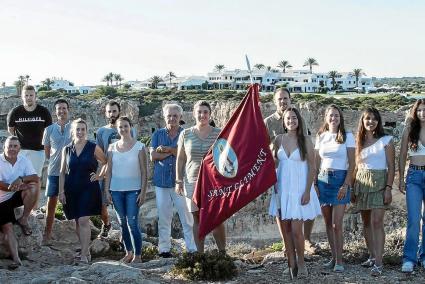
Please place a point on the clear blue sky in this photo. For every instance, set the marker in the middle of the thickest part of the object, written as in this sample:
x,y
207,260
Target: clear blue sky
x,y
82,40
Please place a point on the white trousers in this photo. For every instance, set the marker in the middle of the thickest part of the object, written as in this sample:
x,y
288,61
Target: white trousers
x,y
165,198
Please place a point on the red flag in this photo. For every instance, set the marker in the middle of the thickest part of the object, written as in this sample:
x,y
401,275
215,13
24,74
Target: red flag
x,y
238,167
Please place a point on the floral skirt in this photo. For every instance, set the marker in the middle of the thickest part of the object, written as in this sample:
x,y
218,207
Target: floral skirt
x,y
369,189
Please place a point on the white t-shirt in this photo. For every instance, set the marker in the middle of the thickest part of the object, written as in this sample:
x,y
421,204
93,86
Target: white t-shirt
x,y
9,173
334,155
126,173
374,157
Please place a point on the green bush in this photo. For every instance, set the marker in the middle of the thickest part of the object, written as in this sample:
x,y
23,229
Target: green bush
x,y
51,94
149,253
277,246
210,266
59,212
97,221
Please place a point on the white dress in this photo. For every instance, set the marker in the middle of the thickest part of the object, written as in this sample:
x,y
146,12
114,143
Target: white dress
x,y
291,183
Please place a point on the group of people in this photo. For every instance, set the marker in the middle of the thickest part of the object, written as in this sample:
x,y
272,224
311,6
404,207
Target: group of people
x,y
341,168
313,179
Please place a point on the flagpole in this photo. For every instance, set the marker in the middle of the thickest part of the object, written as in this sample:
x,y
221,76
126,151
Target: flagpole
x,y
249,69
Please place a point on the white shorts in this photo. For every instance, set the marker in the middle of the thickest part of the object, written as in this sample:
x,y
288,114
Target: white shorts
x,y
188,194
36,158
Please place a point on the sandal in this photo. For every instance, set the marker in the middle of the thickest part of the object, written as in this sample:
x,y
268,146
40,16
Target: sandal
x,y
368,263
26,229
376,270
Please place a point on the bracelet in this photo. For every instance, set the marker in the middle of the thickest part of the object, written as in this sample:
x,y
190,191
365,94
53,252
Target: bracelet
x,y
389,186
179,181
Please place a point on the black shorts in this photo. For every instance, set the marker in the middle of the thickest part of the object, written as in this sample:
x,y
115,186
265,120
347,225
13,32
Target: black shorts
x,y
7,213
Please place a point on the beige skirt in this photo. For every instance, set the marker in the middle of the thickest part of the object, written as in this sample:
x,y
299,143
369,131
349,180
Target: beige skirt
x,y
369,189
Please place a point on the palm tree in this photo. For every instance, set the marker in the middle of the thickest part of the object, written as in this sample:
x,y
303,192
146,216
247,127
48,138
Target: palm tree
x,y
118,79
109,78
219,67
333,75
47,83
259,66
269,69
311,62
27,78
284,64
155,80
19,84
357,73
170,75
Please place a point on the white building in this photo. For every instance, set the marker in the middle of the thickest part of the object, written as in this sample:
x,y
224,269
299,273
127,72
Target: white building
x,y
295,80
69,87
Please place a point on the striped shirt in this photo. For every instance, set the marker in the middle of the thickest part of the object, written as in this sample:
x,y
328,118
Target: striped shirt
x,y
195,149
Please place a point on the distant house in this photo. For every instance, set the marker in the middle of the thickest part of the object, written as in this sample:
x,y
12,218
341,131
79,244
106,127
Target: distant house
x,y
69,87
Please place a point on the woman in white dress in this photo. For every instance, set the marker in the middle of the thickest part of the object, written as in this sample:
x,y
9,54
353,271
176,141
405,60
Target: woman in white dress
x,y
296,201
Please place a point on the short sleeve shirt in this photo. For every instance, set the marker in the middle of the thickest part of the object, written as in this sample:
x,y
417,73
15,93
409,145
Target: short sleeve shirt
x,y
29,125
374,157
57,139
9,173
195,149
126,174
274,125
334,154
164,171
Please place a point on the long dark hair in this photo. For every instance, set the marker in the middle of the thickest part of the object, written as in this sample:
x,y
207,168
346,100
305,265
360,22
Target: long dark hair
x,y
415,125
300,131
361,131
341,135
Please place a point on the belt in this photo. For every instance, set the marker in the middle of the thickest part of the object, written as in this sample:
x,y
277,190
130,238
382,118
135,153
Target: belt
x,y
418,168
330,172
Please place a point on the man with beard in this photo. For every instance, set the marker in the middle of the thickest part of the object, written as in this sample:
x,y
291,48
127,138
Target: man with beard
x,y
274,125
27,122
105,136
55,138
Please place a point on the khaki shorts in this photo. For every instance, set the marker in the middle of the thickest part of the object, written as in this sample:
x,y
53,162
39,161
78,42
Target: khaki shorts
x,y
36,158
188,194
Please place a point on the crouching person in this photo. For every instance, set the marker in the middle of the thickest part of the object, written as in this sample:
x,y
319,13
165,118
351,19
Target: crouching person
x,y
18,186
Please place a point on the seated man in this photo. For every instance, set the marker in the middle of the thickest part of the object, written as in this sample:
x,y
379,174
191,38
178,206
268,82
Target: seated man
x,y
18,186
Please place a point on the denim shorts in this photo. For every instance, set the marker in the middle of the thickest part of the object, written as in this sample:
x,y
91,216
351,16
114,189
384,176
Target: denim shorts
x,y
52,186
329,182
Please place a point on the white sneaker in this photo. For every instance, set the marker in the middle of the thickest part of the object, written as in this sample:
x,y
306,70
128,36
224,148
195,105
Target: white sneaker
x,y
407,267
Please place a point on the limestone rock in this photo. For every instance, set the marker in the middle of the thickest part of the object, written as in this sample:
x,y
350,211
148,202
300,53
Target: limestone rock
x,y
111,272
99,247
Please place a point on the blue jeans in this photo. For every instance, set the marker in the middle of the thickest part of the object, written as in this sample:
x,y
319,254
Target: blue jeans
x,y
415,197
125,203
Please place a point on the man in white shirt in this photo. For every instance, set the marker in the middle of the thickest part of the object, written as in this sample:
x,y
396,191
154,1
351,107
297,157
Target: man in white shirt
x,y
18,186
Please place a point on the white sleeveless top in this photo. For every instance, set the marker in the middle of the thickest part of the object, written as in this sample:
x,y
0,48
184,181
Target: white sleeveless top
x,y
374,157
333,154
126,175
419,152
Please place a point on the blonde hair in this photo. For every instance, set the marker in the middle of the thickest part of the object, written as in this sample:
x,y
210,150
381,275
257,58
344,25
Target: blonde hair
x,y
74,125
